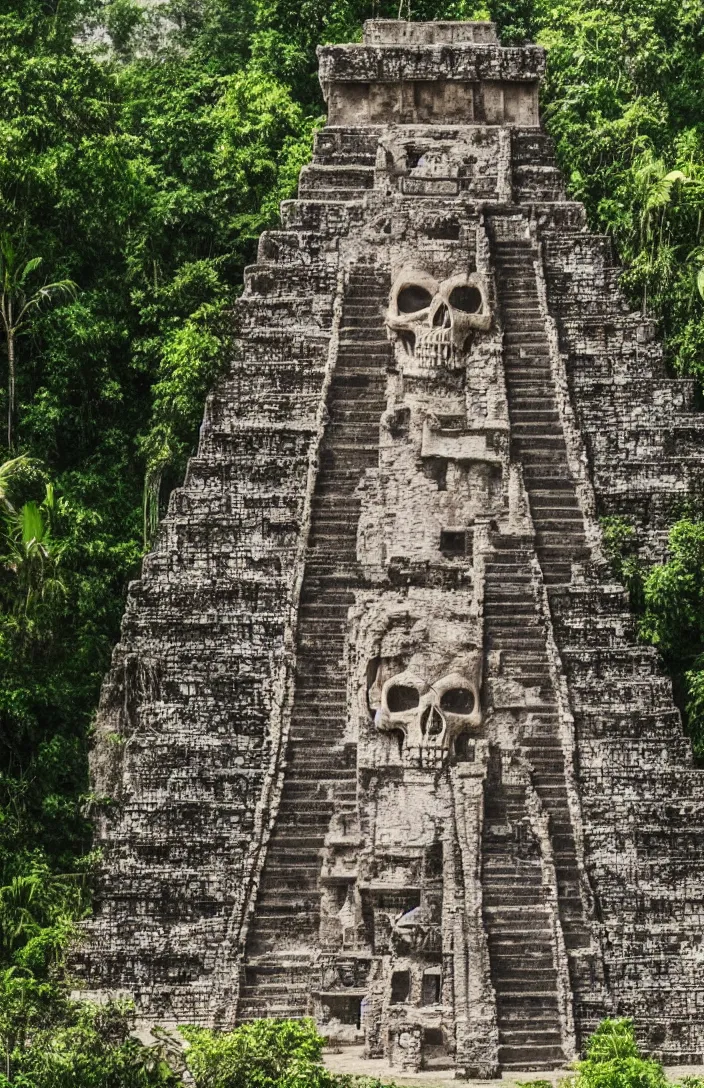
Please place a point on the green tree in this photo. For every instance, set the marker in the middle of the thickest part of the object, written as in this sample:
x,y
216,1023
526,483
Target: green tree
x,y
16,306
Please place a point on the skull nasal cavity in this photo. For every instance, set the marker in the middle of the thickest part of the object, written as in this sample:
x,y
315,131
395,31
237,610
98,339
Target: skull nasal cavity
x,y
457,701
413,298
401,697
432,722
442,317
466,298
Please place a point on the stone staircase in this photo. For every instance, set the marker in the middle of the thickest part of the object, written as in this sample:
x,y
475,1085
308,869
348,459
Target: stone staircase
x,y
516,915
537,440
520,938
513,624
320,771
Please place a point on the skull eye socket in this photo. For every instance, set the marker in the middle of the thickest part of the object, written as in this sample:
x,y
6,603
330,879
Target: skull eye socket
x,y
466,298
457,701
413,298
402,697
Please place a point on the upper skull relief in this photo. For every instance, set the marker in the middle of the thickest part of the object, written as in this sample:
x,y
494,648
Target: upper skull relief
x,y
434,321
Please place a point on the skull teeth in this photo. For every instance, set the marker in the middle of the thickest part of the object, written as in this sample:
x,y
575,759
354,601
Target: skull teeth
x,y
436,347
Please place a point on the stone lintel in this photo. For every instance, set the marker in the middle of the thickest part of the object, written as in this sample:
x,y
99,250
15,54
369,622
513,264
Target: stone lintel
x,y
463,62
404,32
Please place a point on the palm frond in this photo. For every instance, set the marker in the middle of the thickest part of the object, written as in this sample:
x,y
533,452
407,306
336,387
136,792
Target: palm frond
x,y
31,266
33,525
9,470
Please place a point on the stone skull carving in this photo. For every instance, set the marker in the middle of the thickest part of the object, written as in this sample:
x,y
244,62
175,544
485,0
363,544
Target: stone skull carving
x,y
430,703
434,321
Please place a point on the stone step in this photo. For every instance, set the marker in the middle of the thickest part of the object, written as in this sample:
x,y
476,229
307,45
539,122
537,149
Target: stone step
x,y
524,918
342,176
512,963
315,606
501,609
532,402
509,642
367,292
537,981
512,869
554,518
546,460
530,369
317,702
571,534
539,444
539,1005
519,896
368,417
548,478
260,1009
357,321
502,621
512,547
534,417
342,518
517,267
305,806
536,430
323,201
531,1059
526,1036
531,397
560,551
522,323
525,337
274,987
374,304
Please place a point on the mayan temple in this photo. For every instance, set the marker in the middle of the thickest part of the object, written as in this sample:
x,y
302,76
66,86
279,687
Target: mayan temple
x,y
379,744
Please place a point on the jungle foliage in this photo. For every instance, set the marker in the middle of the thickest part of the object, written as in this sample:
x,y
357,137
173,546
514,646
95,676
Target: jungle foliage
x,y
142,150
62,1043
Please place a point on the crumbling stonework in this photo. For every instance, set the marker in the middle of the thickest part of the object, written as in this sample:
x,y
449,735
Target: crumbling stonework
x,y
379,744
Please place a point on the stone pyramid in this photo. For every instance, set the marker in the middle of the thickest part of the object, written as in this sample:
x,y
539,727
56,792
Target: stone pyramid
x,y
379,743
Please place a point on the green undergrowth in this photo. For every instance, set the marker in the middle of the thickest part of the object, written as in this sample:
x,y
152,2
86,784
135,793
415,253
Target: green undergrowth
x,y
668,599
52,1042
613,1059
78,1045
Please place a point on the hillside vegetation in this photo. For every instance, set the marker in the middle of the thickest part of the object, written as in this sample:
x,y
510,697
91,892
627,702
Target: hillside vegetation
x,y
142,150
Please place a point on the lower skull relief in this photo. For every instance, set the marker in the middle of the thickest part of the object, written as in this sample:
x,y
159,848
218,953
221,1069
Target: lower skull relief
x,y
433,322
428,708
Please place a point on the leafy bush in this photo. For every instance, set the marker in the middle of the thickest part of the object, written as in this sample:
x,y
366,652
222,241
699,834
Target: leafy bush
x,y
263,1054
674,618
51,1042
620,543
613,1060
